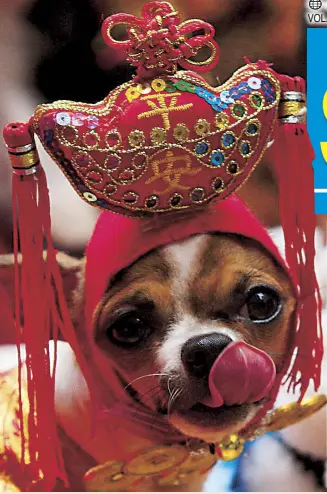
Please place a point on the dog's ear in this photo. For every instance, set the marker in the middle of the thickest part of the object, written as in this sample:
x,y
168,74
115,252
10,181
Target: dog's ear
x,y
72,270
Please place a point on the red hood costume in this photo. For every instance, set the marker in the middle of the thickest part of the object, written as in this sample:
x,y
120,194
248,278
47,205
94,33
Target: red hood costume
x,y
166,150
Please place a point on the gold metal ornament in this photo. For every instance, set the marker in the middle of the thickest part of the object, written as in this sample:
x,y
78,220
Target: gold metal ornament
x,y
175,466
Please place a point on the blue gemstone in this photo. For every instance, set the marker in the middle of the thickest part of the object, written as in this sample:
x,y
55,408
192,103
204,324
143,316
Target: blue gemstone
x,y
252,129
202,148
217,158
245,148
228,140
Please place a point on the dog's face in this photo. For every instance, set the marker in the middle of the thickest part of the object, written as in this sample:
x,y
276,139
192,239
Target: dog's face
x,y
176,309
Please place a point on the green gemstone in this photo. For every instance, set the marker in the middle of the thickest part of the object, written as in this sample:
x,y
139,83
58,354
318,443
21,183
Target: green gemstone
x,y
239,110
257,100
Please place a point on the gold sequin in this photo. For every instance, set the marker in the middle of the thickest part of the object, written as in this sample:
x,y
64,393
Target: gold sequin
x,y
90,197
144,88
202,127
136,138
181,132
158,85
221,121
158,135
132,93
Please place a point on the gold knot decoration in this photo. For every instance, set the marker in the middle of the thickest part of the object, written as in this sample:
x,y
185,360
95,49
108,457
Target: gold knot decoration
x,y
158,42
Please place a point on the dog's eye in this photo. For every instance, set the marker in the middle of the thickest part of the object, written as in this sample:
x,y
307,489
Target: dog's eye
x,y
263,304
128,330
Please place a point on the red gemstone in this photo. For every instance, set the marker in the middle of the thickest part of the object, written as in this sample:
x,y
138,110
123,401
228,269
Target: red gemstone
x,y
126,175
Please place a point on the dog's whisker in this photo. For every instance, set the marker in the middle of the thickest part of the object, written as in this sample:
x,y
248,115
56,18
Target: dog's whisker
x,y
171,401
154,390
169,390
159,374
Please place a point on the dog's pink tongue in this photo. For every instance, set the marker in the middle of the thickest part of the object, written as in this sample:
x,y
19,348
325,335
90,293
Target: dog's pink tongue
x,y
241,374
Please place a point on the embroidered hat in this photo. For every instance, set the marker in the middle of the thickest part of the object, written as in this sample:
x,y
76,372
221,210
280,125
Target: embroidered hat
x,y
167,150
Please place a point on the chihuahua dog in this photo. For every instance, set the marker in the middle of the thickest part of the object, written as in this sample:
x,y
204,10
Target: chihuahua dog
x,y
163,321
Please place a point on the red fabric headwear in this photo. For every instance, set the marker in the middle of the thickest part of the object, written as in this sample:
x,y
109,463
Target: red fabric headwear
x,y
160,145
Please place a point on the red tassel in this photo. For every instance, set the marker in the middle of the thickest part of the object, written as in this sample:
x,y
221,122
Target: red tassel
x,y
293,165
40,303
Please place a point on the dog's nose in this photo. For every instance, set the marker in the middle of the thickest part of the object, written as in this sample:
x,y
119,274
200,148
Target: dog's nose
x,y
200,352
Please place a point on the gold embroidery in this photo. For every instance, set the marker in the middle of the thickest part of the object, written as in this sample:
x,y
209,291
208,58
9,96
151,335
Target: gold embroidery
x,y
130,197
115,136
91,140
107,106
162,108
172,175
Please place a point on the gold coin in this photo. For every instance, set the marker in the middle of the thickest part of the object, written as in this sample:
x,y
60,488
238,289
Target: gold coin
x,y
156,460
108,477
174,479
